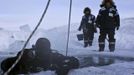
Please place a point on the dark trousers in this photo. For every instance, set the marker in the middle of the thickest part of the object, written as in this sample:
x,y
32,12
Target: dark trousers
x,y
111,39
88,36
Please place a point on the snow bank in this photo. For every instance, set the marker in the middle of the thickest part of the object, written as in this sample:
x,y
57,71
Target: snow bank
x,y
57,36
12,41
125,37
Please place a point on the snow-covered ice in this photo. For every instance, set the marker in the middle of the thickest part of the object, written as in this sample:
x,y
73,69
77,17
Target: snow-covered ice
x,y
13,41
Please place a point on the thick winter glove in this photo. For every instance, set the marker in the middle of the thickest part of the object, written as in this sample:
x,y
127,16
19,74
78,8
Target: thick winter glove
x,y
97,25
117,28
79,29
95,31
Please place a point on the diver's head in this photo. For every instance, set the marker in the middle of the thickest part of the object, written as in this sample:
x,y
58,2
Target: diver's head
x,y
43,44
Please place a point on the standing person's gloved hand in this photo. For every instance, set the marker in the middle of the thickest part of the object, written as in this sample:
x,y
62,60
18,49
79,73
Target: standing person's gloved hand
x,y
117,28
79,29
95,29
97,25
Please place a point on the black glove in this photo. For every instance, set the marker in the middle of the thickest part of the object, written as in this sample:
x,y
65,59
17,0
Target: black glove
x,y
117,28
97,25
79,29
95,30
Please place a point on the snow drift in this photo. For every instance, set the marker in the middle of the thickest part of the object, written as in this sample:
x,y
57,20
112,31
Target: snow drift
x,y
13,41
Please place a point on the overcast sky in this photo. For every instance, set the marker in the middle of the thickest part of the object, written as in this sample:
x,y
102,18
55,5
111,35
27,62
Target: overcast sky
x,y
14,13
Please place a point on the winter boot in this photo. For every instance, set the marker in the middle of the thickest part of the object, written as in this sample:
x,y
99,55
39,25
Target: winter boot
x,y
85,44
101,46
90,43
112,46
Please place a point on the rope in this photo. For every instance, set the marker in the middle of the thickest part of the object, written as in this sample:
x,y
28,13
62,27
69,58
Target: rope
x,y
40,21
69,23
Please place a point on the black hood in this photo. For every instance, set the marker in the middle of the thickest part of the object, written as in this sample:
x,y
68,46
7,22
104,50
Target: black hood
x,y
87,9
103,5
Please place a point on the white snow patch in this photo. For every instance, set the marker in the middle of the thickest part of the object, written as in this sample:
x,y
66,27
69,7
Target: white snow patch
x,y
12,41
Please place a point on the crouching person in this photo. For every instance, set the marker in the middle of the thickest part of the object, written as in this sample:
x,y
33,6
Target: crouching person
x,y
40,57
88,26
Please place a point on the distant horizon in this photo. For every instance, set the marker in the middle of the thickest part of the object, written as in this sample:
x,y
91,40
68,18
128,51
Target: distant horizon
x,y
16,13
17,28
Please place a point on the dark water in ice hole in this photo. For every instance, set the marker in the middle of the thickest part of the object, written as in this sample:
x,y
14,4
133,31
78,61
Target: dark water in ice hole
x,y
94,60
100,60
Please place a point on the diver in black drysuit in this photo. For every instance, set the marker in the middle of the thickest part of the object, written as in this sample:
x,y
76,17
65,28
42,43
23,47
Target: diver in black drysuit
x,y
40,57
